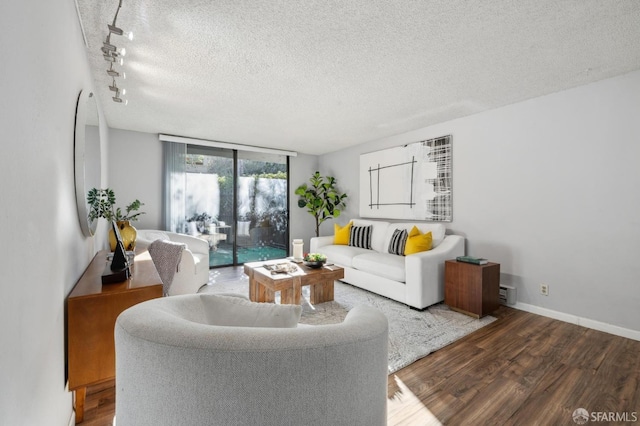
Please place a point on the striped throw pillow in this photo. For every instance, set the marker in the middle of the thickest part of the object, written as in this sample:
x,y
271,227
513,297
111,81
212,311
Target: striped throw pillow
x,y
398,241
360,236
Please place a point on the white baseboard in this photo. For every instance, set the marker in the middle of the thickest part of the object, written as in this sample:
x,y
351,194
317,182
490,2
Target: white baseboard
x,y
574,319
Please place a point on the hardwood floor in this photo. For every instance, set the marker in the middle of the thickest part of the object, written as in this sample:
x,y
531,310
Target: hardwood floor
x,y
523,369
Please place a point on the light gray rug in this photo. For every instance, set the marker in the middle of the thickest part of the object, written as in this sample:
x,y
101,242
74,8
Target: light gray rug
x,y
412,334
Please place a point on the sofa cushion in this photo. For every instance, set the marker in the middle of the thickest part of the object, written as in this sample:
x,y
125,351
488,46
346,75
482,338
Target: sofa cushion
x,y
341,233
237,312
360,236
398,241
382,264
155,235
437,231
341,255
418,242
146,237
378,233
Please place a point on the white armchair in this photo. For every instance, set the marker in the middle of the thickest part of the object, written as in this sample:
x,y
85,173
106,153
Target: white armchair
x,y
193,269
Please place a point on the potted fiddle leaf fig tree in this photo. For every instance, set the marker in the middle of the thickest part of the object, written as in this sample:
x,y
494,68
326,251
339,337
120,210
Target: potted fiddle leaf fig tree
x,y
321,199
101,204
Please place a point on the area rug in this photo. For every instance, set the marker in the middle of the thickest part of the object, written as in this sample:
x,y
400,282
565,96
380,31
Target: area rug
x,y
412,334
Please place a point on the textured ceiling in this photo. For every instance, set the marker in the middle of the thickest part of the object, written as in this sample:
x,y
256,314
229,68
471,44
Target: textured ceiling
x,y
317,76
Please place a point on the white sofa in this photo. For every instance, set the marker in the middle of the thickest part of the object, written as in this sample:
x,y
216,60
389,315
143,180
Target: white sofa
x,y
416,280
193,269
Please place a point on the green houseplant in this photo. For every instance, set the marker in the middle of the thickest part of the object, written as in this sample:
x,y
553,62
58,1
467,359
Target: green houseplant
x,y
101,204
321,199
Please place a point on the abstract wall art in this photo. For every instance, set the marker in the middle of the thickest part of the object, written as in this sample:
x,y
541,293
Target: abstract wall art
x,y
408,182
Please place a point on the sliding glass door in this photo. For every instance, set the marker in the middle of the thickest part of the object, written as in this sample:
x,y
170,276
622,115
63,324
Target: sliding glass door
x,y
237,201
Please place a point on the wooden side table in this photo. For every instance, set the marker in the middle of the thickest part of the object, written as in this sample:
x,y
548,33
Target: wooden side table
x,y
92,309
472,289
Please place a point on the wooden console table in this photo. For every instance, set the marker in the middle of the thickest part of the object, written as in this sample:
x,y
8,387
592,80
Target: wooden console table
x,y
92,309
472,289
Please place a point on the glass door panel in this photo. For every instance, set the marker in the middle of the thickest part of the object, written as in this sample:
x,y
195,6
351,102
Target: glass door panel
x,y
262,207
209,200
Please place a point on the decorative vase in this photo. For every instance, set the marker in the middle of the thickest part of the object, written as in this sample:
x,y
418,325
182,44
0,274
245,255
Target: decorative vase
x,y
128,234
298,245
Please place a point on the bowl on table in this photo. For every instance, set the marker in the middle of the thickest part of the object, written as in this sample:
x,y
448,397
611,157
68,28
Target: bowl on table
x,y
315,260
314,264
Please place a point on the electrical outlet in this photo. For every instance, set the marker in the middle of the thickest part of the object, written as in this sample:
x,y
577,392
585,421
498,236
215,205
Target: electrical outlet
x,y
544,289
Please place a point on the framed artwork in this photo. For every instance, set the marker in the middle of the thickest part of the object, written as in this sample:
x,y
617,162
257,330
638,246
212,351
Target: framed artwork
x,y
408,182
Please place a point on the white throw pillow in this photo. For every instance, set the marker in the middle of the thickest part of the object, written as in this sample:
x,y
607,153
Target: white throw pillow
x,y
237,312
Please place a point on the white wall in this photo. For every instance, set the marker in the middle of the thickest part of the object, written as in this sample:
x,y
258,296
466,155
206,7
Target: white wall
x,y
43,252
549,188
302,224
135,171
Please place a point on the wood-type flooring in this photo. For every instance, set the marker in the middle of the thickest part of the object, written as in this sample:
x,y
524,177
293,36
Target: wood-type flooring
x,y
523,369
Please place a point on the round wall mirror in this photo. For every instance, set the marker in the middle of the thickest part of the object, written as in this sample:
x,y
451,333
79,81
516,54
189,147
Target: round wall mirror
x,y
88,157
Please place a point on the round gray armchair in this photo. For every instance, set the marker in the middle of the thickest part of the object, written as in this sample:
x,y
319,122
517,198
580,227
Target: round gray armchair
x,y
206,359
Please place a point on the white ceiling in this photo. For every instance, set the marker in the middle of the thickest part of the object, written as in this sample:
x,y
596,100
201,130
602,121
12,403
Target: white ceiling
x,y
317,76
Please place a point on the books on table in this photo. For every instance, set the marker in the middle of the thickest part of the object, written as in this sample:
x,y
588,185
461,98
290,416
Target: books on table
x,y
471,259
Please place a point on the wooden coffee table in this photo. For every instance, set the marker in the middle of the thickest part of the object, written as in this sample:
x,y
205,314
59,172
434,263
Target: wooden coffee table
x,y
263,284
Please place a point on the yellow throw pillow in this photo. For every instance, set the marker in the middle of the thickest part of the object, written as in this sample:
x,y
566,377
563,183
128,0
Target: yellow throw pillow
x,y
414,231
418,242
341,234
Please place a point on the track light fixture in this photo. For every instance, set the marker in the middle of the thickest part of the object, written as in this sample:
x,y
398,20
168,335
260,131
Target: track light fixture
x,y
118,31
107,46
112,72
113,55
114,88
119,100
117,93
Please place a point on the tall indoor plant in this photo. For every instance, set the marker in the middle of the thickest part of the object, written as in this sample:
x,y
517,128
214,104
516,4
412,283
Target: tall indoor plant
x,y
101,204
321,199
